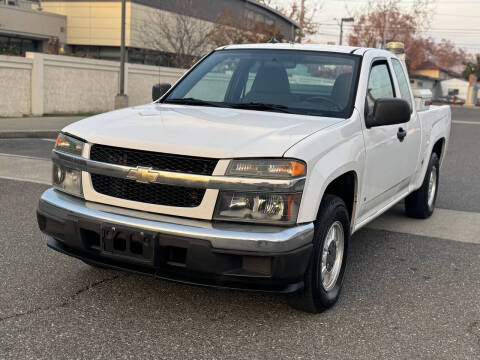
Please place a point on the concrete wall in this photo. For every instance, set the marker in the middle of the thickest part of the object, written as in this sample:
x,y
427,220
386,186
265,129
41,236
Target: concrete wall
x,y
54,84
15,75
141,78
78,85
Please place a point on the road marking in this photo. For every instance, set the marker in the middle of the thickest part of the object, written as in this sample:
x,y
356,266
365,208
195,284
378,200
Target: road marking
x,y
461,226
25,168
23,156
28,139
466,122
26,180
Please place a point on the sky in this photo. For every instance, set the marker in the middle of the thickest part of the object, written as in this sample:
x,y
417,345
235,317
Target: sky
x,y
455,20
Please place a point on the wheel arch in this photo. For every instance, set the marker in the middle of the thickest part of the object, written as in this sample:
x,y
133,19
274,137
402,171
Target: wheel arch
x,y
439,149
345,186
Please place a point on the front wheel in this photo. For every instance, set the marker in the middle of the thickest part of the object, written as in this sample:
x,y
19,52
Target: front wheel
x,y
421,203
324,276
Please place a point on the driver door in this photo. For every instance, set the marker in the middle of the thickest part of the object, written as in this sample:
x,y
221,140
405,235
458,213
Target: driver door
x,y
386,174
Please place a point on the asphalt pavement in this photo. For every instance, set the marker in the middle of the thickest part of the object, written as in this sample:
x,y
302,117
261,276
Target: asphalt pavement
x,y
411,291
35,127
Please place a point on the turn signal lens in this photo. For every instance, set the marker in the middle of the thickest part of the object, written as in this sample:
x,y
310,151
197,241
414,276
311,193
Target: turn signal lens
x,y
69,144
267,168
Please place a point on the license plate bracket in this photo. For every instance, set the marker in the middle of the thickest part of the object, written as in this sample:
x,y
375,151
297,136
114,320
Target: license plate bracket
x,y
133,245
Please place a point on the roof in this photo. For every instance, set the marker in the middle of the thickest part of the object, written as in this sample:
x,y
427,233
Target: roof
x,y
310,47
276,12
429,65
296,46
422,77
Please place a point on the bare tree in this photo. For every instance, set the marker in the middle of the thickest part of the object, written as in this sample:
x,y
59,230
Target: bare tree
x,y
301,11
183,38
230,29
384,20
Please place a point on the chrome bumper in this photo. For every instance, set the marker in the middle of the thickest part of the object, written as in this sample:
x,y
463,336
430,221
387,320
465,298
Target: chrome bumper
x,y
222,236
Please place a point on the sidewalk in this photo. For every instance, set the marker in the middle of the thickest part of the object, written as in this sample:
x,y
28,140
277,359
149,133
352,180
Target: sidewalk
x,y
34,127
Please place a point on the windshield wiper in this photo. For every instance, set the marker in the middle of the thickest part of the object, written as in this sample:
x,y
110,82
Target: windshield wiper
x,y
261,107
191,101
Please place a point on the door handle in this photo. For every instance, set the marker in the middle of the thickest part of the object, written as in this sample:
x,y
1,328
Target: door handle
x,y
401,134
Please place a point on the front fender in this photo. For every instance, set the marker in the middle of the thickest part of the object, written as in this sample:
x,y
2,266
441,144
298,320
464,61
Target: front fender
x,y
329,154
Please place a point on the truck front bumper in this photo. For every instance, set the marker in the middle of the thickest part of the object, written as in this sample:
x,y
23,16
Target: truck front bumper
x,y
241,256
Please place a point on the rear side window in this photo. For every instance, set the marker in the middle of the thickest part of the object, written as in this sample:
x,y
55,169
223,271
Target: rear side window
x,y
402,82
379,84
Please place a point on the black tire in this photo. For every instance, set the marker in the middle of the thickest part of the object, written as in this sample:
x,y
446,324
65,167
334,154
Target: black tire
x,y
313,298
416,204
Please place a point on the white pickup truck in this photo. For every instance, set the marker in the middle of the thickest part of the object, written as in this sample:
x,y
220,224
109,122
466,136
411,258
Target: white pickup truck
x,y
251,172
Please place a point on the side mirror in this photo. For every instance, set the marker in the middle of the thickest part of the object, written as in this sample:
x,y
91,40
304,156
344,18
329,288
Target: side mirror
x,y
389,112
158,90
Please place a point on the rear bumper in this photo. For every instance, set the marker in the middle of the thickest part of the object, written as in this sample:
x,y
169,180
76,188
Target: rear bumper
x,y
241,256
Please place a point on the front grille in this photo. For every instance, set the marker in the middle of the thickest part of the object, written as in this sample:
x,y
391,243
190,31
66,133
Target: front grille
x,y
157,161
156,194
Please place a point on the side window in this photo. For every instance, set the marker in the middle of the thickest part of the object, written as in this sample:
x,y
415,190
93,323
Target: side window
x,y
379,84
402,82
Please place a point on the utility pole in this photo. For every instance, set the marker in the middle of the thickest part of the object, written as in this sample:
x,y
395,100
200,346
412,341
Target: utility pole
x,y
121,100
350,19
386,24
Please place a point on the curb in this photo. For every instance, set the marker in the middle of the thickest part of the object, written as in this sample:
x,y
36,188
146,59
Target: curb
x,y
15,134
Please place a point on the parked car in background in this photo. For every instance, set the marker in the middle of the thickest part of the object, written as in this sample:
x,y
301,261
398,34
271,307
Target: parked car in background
x,y
450,99
251,172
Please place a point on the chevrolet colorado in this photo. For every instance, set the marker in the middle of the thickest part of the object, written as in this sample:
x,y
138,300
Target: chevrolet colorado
x,y
251,172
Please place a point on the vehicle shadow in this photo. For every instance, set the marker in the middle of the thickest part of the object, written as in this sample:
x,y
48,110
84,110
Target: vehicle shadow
x,y
385,270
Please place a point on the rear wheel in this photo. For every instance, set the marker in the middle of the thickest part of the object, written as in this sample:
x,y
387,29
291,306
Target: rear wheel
x,y
421,203
324,276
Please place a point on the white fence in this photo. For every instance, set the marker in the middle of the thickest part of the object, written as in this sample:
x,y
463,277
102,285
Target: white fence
x,y
52,84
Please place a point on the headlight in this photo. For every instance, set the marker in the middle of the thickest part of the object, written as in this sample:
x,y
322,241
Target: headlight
x,y
271,208
64,178
67,180
267,168
68,144
256,207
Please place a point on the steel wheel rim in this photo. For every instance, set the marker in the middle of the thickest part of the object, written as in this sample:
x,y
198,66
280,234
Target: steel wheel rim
x,y
432,186
332,255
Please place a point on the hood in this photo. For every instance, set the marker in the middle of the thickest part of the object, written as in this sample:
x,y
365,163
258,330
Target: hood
x,y
199,131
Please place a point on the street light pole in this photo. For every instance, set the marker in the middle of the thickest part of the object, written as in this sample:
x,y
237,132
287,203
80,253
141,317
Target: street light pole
x,y
350,19
122,52
121,100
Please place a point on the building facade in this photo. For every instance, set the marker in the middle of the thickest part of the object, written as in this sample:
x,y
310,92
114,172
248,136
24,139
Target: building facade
x,y
93,26
25,28
430,76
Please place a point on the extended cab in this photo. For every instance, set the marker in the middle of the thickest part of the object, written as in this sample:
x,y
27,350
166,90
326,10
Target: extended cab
x,y
251,172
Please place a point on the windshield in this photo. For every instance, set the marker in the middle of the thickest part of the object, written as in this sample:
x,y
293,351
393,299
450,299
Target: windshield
x,y
300,82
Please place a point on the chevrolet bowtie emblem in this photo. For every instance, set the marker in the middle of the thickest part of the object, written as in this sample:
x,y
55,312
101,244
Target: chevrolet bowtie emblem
x,y
142,175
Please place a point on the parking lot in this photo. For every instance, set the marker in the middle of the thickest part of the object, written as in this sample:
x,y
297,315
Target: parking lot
x,y
412,287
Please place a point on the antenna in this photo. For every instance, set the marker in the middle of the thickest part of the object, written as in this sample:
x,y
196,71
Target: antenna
x,y
273,40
